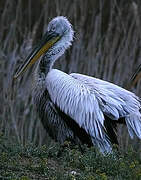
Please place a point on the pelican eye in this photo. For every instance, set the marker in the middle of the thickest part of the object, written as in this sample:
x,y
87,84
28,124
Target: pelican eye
x,y
53,28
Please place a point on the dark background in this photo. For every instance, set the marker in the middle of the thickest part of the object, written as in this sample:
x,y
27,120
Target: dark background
x,y
107,45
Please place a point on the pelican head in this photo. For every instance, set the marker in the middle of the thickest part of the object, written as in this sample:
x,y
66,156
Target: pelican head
x,y
55,41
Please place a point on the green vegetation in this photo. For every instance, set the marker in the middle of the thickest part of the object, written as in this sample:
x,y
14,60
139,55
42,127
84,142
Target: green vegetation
x,y
31,162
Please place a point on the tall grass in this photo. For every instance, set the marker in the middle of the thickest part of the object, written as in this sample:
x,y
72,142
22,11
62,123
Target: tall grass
x,y
106,45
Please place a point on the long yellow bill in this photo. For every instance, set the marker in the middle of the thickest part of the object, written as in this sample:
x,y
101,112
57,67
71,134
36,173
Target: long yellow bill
x,y
136,76
48,40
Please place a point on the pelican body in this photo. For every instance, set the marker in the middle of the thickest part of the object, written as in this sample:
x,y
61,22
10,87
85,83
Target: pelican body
x,y
76,107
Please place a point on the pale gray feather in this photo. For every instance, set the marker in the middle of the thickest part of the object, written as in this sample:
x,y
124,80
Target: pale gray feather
x,y
78,107
86,100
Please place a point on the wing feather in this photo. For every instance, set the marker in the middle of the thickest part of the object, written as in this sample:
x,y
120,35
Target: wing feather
x,y
116,102
86,100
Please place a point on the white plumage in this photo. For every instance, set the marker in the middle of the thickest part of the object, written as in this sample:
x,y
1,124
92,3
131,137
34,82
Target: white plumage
x,y
86,99
77,107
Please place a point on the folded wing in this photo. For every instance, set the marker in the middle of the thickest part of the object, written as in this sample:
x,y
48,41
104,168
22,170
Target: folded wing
x,y
86,100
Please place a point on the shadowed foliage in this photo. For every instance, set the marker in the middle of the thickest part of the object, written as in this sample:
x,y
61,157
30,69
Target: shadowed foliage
x,y
39,163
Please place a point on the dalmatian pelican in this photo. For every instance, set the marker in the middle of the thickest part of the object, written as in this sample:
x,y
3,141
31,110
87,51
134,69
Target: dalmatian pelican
x,y
77,107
